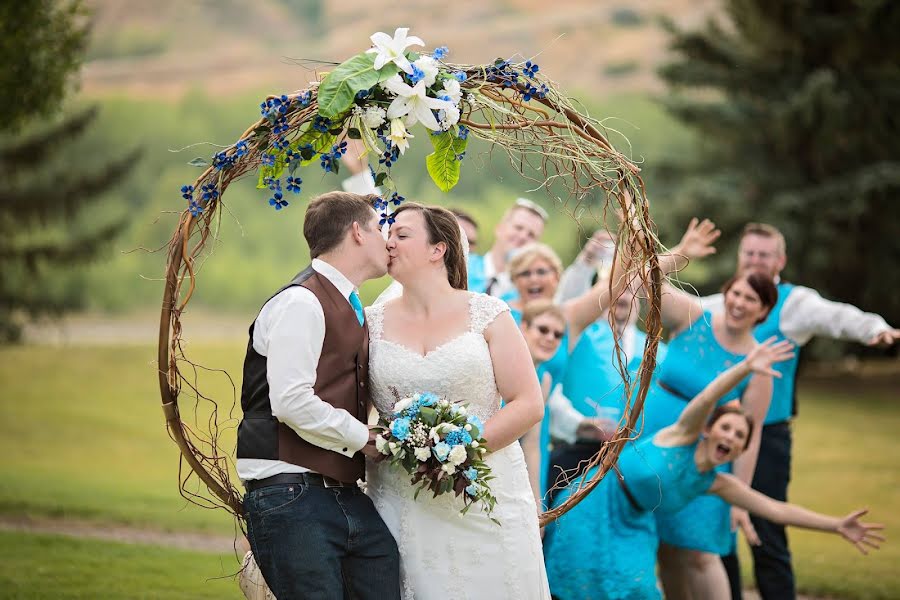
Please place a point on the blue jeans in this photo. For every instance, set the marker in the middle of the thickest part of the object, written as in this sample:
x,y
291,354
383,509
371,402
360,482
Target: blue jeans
x,y
772,560
321,543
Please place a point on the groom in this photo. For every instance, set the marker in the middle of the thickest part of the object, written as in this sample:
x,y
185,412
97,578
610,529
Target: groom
x,y
303,437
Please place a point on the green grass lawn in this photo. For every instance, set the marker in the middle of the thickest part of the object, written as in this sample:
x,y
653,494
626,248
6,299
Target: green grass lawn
x,y
82,435
46,566
845,457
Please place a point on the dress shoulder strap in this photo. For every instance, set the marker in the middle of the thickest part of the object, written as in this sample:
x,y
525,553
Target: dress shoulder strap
x,y
375,320
483,309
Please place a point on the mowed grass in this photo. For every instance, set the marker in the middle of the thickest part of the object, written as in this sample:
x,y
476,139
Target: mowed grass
x,y
846,452
82,435
47,566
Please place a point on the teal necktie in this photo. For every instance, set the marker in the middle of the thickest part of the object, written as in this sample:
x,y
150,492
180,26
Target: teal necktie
x,y
357,307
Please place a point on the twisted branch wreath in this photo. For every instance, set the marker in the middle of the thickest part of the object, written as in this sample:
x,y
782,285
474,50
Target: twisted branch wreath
x,y
510,105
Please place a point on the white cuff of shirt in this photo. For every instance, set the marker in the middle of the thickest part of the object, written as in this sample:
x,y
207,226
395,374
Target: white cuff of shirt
x,y
357,437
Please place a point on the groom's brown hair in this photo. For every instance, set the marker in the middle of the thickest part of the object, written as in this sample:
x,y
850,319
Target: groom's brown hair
x,y
330,216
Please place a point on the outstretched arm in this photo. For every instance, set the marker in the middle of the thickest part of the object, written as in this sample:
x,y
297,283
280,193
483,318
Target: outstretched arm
x,y
738,493
693,418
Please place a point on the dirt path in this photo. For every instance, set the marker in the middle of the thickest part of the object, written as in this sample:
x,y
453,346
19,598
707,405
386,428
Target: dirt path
x,y
183,540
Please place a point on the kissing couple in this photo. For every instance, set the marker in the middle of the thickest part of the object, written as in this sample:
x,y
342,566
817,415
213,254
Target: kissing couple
x,y
317,362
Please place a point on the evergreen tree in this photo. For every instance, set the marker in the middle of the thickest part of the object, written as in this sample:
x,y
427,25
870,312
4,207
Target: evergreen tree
x,y
795,107
47,223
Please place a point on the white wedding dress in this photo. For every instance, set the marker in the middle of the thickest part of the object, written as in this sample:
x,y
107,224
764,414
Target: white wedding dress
x,y
445,555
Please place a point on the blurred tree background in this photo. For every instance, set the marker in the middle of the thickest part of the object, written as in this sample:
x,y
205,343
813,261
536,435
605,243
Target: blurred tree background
x,y
760,112
47,225
794,107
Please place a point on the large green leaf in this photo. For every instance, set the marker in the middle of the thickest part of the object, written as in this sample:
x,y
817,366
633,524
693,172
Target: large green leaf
x,y
339,88
443,164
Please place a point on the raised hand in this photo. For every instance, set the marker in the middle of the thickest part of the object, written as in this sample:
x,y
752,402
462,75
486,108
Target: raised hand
x,y
597,245
698,239
763,356
885,339
860,534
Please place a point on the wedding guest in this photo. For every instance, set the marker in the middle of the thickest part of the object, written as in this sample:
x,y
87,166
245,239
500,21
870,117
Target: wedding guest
x,y
522,224
799,315
615,556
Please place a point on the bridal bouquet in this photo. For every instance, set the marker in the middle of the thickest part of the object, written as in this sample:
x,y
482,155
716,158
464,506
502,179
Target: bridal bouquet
x,y
440,446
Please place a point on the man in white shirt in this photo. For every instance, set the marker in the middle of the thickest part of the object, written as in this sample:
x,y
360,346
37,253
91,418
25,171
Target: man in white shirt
x,y
522,224
799,315
303,435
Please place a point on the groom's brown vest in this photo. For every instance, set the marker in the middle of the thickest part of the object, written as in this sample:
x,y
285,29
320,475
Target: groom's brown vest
x,y
341,380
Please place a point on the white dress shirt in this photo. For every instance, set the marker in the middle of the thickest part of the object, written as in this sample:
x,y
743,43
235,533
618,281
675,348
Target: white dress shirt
x,y
289,332
502,282
806,314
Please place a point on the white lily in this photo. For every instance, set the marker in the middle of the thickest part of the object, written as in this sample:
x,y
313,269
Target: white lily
x,y
399,136
414,102
390,49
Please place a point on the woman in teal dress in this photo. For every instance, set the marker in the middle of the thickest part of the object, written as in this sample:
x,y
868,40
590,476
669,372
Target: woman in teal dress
x,y
615,558
703,346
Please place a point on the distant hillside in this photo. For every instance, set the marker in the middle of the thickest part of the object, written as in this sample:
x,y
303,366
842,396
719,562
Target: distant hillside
x,y
164,48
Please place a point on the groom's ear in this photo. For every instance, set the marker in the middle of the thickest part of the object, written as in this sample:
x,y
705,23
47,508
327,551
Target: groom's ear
x,y
356,231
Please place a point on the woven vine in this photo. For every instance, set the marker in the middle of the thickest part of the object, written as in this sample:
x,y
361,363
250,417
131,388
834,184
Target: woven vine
x,y
510,105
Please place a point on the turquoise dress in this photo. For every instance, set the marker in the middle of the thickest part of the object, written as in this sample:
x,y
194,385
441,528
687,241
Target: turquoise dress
x,y
694,358
592,380
615,557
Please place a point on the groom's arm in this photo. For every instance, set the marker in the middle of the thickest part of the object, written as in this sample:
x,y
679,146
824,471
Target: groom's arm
x,y
293,345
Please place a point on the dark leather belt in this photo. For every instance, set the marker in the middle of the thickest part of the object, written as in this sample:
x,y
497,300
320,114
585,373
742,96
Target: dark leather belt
x,y
631,499
672,391
300,478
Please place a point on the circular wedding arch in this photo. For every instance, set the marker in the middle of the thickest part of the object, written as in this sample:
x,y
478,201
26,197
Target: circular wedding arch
x,y
510,105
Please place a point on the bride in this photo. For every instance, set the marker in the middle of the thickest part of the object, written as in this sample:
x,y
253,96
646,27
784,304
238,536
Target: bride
x,y
465,347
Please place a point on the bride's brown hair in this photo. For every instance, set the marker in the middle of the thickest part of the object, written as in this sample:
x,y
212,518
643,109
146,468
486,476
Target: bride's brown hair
x,y
443,227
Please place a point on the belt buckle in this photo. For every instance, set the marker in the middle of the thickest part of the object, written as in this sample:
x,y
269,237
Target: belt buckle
x,y
330,482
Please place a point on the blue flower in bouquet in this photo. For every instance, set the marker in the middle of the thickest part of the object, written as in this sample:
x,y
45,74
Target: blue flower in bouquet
x,y
459,436
428,399
440,52
472,489
474,421
471,473
400,428
441,451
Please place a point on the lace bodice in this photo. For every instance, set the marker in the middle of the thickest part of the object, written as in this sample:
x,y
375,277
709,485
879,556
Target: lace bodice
x,y
459,370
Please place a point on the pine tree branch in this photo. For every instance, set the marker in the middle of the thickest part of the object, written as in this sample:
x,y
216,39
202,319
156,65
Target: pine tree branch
x,y
51,199
74,250
35,148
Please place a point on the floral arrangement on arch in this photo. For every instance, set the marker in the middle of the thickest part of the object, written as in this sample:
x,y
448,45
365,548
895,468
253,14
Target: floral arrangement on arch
x,y
386,95
379,97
